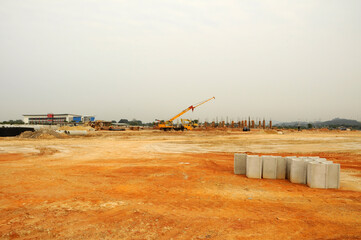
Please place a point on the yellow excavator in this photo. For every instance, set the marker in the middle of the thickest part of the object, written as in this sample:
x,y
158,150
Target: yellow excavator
x,y
168,125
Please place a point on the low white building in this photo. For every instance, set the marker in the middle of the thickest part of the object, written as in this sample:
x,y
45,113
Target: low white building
x,y
51,118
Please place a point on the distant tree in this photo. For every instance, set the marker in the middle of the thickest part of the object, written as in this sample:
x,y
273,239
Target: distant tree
x,y
309,126
13,122
113,121
135,122
123,121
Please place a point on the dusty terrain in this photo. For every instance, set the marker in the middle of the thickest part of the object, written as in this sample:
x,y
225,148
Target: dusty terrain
x,y
156,185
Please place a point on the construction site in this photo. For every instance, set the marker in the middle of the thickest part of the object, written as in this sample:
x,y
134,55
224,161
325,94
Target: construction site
x,y
192,180
180,120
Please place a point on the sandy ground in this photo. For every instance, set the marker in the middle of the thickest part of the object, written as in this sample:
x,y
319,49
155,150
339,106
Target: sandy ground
x,y
156,185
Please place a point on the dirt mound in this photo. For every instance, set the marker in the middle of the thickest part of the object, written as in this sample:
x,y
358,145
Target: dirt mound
x,y
88,128
42,134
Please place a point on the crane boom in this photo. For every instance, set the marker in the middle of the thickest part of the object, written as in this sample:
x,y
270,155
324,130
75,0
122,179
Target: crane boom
x,y
189,108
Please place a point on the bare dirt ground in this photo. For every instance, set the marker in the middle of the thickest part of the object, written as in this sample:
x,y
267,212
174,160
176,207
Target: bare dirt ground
x,y
156,185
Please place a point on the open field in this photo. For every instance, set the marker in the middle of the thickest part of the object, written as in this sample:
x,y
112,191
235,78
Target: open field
x,y
173,185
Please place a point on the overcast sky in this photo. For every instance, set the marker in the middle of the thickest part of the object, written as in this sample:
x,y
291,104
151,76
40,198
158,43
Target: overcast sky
x,y
279,60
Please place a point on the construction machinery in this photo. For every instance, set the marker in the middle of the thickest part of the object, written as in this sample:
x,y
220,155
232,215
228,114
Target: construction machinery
x,y
168,125
189,124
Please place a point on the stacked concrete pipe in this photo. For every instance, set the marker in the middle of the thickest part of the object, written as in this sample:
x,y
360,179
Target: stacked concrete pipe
x,y
240,163
254,166
316,172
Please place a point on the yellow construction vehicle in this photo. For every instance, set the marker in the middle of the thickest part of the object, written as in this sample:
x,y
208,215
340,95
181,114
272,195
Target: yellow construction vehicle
x,y
168,125
189,124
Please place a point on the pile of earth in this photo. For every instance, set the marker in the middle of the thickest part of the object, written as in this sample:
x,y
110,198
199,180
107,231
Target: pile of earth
x,y
87,128
43,134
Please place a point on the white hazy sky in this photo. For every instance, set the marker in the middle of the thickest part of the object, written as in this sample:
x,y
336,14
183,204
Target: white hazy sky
x,y
280,60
